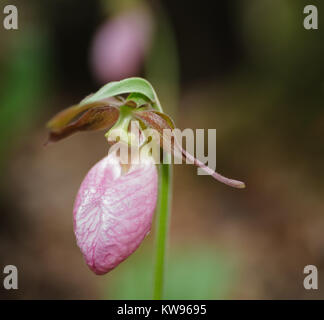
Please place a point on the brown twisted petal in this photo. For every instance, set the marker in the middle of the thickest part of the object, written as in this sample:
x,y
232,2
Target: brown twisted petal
x,y
160,121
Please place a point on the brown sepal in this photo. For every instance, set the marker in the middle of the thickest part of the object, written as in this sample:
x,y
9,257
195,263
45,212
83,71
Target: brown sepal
x,y
96,118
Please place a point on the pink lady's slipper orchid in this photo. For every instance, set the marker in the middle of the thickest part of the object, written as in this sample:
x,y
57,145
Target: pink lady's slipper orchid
x,y
114,207
121,44
113,211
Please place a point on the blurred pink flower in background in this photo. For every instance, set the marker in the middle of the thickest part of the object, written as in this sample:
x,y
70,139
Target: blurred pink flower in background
x,y
120,45
113,211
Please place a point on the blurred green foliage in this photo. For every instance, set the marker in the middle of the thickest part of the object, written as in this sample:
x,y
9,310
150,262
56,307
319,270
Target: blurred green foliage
x,y
194,272
25,81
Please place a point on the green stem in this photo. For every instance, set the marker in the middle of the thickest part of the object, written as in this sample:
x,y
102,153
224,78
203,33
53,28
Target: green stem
x,y
163,54
162,226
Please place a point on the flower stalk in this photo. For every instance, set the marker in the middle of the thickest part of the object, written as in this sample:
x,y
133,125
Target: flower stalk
x,y
162,227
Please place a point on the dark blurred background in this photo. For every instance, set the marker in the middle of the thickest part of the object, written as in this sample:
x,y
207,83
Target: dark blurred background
x,y
247,68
